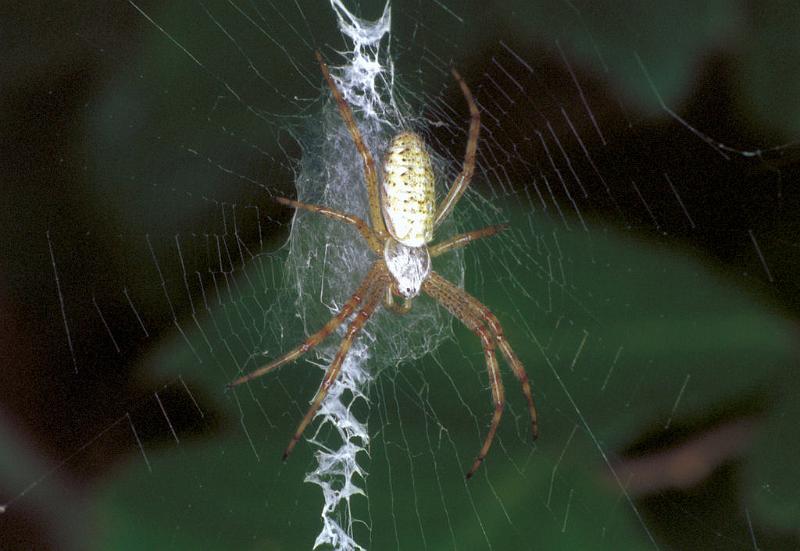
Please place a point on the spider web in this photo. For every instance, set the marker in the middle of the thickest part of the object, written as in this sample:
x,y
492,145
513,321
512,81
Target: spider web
x,y
635,301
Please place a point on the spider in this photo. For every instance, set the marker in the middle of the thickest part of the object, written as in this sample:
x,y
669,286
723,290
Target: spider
x,y
403,215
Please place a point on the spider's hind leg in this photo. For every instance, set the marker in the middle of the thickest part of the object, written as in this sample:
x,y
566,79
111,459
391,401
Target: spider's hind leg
x,y
370,174
465,176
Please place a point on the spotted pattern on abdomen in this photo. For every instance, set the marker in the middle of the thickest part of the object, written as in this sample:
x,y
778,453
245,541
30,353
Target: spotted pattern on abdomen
x,y
409,196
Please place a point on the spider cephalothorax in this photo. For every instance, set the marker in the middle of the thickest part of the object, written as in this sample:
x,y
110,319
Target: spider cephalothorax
x,y
403,216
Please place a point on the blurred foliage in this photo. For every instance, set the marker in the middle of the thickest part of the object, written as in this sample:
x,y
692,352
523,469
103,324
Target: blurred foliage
x,y
672,317
174,101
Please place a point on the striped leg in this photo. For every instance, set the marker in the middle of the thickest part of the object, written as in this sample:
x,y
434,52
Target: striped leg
x,y
498,396
370,175
483,313
367,285
372,239
463,179
445,295
464,239
373,301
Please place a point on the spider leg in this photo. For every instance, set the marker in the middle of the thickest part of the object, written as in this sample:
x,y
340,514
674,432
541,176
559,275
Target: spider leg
x,y
463,239
461,309
463,179
483,313
498,396
522,377
312,341
372,240
370,175
332,373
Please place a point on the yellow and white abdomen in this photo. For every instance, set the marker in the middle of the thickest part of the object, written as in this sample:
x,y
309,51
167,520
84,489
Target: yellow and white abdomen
x,y
408,197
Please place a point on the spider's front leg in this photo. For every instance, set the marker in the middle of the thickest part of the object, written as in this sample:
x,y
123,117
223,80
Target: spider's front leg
x,y
485,315
366,288
372,302
480,321
498,395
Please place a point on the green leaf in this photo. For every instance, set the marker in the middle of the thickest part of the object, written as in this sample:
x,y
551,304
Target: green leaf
x,y
621,339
